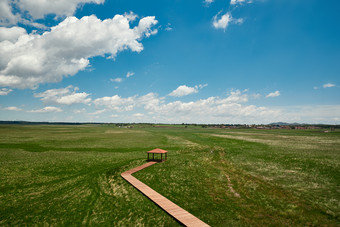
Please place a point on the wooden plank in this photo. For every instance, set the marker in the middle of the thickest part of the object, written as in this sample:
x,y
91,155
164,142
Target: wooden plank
x,y
171,208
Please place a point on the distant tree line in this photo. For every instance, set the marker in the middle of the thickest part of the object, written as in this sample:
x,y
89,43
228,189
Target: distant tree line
x,y
279,125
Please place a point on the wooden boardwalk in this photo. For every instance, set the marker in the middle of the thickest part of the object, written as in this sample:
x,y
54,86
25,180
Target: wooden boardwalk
x,y
177,212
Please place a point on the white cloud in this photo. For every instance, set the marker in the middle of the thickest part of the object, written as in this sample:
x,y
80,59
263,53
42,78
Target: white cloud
x,y
168,27
129,74
97,112
215,109
38,9
273,94
328,85
34,59
6,15
12,108
237,97
74,98
234,2
5,91
65,96
238,2
116,103
223,21
313,114
11,34
208,2
150,101
27,11
238,21
117,80
200,86
138,115
210,110
47,109
232,108
183,90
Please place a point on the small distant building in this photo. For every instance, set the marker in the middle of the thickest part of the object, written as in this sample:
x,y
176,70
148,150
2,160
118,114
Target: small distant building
x,y
158,151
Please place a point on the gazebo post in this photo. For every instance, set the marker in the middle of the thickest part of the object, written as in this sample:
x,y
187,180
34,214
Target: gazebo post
x,y
153,156
161,157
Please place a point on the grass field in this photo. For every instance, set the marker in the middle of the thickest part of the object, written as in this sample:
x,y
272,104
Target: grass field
x,y
70,175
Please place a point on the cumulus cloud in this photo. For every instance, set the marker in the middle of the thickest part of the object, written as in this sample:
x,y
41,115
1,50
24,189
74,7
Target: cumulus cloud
x,y
313,114
222,22
237,97
117,80
183,90
47,109
11,34
328,85
12,108
116,103
210,110
65,96
273,94
129,74
38,9
6,15
28,11
65,49
5,91
150,101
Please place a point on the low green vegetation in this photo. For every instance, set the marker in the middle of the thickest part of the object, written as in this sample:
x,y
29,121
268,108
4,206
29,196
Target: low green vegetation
x,y
70,175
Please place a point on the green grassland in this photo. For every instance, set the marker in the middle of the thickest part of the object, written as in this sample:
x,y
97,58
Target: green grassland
x,y
70,175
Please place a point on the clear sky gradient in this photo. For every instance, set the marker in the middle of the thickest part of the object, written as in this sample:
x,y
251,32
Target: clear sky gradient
x,y
170,61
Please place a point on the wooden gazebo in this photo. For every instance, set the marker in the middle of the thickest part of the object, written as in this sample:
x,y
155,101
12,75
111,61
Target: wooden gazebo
x,y
157,151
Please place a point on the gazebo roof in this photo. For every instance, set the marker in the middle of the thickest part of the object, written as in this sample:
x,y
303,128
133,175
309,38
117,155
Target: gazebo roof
x,y
158,151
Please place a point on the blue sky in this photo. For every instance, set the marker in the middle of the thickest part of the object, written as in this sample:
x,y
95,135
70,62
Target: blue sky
x,y
213,61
